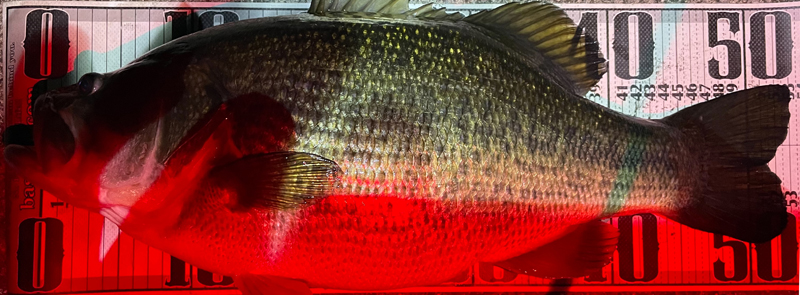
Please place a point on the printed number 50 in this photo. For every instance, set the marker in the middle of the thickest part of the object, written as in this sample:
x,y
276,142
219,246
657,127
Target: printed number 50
x,y
758,45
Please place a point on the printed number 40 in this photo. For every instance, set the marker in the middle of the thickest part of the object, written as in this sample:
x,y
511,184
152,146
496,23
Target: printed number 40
x,y
758,44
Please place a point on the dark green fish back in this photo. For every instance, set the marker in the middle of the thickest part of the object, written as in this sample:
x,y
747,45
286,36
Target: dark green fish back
x,y
398,104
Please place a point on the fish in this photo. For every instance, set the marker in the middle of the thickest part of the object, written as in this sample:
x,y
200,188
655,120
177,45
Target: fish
x,y
365,145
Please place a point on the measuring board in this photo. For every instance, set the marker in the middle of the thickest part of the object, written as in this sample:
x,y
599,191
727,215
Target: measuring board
x,y
662,58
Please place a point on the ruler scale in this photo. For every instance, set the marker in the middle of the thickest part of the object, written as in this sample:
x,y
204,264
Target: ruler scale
x,y
662,58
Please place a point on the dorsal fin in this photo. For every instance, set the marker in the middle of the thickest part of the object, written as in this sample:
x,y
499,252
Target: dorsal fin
x,y
379,9
427,11
553,34
544,26
319,7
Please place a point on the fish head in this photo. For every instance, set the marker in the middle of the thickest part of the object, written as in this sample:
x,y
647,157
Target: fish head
x,y
62,138
80,129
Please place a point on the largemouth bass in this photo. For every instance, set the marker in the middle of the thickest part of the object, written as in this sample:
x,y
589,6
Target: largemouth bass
x,y
367,146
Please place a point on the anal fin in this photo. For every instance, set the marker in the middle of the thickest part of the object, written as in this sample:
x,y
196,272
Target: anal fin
x,y
586,248
250,284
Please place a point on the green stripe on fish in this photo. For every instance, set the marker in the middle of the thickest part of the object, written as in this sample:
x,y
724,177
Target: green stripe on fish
x,y
628,171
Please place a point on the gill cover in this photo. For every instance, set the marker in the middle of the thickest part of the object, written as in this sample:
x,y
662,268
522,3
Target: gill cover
x,y
78,129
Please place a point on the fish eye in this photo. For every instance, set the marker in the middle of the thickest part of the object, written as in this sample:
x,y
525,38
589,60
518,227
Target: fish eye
x,y
90,82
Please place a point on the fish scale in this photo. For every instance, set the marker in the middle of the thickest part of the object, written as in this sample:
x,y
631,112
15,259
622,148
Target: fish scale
x,y
518,180
385,147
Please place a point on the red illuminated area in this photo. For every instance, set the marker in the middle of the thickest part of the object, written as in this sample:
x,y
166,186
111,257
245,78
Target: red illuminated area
x,y
57,248
636,268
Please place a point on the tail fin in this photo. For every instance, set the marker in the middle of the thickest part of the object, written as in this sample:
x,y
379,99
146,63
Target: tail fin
x,y
737,135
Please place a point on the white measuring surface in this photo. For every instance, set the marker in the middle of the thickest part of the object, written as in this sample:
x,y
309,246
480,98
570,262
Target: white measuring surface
x,y
662,58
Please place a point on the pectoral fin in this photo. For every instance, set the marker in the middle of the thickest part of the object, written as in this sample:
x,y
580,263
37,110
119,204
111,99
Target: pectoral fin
x,y
588,247
277,180
250,284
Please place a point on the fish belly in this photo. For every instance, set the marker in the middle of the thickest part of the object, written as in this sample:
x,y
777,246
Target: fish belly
x,y
386,242
366,242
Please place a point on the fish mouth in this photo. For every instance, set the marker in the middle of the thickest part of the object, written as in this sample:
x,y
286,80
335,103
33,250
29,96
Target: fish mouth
x,y
53,139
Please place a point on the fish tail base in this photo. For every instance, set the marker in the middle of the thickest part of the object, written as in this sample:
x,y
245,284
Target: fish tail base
x,y
736,136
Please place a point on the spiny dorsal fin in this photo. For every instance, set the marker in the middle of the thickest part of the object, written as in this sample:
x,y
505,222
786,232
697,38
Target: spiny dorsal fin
x,y
553,34
319,7
379,8
427,11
